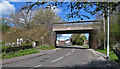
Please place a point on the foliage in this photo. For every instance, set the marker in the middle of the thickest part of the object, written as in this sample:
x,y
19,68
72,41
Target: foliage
x,y
29,25
21,19
25,46
74,38
73,6
114,30
24,19
45,16
5,26
46,47
16,48
19,53
116,50
86,46
112,54
28,35
78,39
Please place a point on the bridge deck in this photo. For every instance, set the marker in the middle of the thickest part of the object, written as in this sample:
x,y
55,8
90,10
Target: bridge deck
x,y
75,26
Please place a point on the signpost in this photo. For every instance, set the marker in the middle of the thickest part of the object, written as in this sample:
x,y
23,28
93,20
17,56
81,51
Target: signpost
x,y
104,31
17,42
34,44
42,41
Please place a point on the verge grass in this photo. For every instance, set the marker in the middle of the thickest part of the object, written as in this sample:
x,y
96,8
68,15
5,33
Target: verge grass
x,y
113,56
18,53
46,47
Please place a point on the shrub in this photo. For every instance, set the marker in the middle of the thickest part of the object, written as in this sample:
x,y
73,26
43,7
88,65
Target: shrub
x,y
25,46
18,53
6,48
17,48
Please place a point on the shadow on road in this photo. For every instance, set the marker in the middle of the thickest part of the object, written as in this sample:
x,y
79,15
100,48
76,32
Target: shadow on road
x,y
75,47
101,64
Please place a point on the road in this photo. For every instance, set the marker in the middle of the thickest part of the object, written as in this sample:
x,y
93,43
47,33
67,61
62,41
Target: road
x,y
65,57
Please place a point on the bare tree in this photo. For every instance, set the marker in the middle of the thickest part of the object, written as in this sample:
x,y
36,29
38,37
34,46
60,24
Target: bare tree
x,y
44,16
26,18
14,19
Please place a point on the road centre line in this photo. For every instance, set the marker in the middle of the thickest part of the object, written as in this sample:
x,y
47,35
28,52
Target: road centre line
x,y
57,59
73,50
38,66
68,54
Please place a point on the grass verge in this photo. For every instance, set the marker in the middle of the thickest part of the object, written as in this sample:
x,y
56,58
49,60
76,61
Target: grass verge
x,y
82,46
18,53
86,46
113,56
46,47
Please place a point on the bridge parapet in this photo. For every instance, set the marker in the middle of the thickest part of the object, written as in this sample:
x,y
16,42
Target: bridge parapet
x,y
87,25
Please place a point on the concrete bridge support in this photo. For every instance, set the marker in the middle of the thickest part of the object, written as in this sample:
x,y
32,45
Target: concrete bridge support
x,y
93,40
93,44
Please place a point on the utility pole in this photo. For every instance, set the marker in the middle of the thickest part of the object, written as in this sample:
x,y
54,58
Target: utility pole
x,y
108,36
104,31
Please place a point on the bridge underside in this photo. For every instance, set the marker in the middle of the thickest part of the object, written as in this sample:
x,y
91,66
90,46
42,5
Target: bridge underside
x,y
77,27
92,42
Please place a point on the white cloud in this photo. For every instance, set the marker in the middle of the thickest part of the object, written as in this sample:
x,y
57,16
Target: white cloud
x,y
55,9
16,0
60,39
66,35
6,8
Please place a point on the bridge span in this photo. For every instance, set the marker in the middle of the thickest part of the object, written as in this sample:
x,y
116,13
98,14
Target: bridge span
x,y
77,27
80,25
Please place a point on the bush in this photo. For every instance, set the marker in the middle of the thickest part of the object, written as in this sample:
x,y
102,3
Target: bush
x,y
116,50
25,46
80,41
17,48
6,48
18,53
46,47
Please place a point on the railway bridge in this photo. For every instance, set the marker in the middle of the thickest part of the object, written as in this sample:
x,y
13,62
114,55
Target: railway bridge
x,y
76,27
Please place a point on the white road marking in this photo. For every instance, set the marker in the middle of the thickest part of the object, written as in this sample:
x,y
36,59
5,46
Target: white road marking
x,y
73,50
57,59
38,66
68,54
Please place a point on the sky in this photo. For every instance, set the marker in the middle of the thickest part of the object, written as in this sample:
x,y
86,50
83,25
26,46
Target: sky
x,y
10,6
67,36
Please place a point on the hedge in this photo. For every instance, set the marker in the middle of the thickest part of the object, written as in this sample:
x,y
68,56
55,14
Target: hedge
x,y
16,48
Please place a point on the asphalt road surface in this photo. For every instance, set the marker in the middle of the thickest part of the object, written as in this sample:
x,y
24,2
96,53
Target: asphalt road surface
x,y
66,57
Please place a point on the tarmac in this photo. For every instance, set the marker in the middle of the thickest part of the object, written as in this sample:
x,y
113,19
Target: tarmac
x,y
97,56
16,59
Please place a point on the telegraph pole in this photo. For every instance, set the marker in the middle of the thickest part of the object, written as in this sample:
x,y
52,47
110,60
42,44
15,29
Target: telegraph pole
x,y
104,31
108,36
